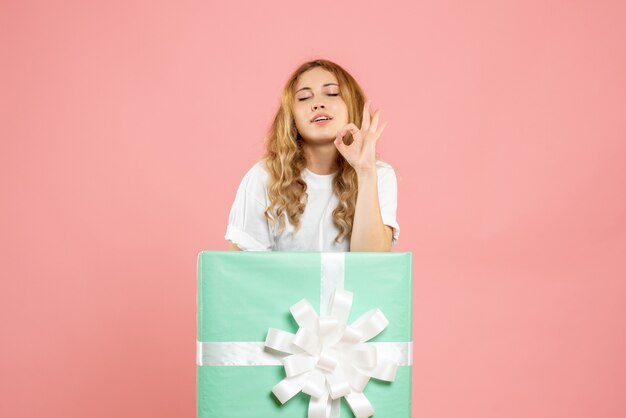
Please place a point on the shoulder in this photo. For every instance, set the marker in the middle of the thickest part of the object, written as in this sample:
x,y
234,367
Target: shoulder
x,y
256,174
254,181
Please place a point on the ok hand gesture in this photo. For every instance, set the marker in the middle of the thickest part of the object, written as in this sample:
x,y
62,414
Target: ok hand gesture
x,y
361,154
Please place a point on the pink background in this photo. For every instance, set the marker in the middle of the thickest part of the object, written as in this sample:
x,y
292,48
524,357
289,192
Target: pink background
x,y
127,126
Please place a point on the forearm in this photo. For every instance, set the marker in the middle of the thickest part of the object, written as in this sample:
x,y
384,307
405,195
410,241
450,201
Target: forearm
x,y
368,231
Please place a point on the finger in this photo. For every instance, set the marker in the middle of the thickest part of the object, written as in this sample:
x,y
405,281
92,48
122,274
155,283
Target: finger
x,y
382,128
352,128
366,116
374,125
339,143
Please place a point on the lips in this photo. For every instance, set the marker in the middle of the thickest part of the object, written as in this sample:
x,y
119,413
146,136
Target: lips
x,y
320,115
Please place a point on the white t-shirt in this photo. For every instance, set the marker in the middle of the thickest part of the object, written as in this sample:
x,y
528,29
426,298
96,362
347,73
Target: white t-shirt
x,y
251,231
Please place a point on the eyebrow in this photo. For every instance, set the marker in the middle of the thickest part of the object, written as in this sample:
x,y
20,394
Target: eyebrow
x,y
327,84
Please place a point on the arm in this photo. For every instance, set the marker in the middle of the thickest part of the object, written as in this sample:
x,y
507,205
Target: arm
x,y
247,227
368,231
233,247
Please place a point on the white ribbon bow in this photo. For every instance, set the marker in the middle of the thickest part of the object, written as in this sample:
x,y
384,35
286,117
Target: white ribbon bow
x,y
329,359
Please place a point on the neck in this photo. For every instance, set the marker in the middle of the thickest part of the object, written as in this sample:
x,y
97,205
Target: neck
x,y
321,158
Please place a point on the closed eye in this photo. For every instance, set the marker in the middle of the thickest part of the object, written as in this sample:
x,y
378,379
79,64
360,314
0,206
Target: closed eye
x,y
335,94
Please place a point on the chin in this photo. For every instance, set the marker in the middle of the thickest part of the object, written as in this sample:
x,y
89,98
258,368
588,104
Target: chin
x,y
320,136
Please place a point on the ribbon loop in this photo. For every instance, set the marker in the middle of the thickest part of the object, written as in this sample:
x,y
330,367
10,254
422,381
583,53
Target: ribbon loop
x,y
330,330
280,340
358,379
363,355
329,359
370,324
296,364
315,385
320,407
386,370
289,387
307,340
340,305
350,336
360,405
304,314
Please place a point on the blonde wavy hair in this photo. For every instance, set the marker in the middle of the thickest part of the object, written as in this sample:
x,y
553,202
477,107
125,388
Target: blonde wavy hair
x,y
285,160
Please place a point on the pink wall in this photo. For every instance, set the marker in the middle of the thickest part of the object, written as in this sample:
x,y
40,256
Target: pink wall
x,y
127,126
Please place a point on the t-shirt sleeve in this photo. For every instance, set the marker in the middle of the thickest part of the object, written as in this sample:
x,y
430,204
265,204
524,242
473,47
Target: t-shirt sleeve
x,y
388,200
247,226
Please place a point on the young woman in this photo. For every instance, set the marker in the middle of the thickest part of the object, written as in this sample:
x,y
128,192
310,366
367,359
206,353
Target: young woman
x,y
320,185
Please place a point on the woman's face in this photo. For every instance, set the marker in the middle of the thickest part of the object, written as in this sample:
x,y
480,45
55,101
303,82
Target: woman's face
x,y
317,92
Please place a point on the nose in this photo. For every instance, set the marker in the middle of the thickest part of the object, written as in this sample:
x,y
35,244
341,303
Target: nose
x,y
318,106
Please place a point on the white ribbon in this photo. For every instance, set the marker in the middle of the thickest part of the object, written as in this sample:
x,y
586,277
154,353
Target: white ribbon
x,y
253,353
328,359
